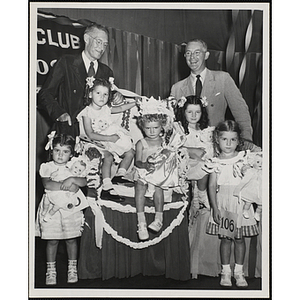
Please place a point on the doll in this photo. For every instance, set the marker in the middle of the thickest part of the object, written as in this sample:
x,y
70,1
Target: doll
x,y
250,188
123,144
64,199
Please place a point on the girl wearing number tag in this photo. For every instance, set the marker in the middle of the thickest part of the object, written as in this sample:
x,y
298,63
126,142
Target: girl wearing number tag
x,y
227,210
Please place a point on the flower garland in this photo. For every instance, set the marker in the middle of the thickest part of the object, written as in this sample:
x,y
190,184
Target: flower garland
x,y
141,245
101,224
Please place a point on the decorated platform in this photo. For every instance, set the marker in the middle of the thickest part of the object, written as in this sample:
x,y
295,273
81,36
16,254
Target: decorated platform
x,y
110,246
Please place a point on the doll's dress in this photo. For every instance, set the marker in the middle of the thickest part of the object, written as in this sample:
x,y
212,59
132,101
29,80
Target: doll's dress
x,y
250,187
199,139
62,225
122,145
227,180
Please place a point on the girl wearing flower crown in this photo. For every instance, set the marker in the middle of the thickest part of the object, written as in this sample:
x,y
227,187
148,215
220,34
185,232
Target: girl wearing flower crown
x,y
152,126
96,124
62,225
154,161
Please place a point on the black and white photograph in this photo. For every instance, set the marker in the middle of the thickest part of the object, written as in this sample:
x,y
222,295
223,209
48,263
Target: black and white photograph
x,y
149,150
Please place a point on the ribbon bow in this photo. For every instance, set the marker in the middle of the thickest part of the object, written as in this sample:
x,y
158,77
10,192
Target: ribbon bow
x,y
50,140
124,92
90,81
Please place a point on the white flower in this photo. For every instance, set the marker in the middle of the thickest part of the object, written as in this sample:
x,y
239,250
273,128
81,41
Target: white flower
x,y
204,101
181,101
90,81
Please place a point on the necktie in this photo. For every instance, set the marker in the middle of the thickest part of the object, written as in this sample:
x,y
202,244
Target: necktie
x,y
198,86
91,71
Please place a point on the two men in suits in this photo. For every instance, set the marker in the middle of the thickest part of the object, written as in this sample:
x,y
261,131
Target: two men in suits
x,y
63,92
217,86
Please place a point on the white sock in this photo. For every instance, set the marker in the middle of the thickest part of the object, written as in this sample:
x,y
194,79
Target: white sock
x,y
226,268
121,172
238,268
107,184
72,262
141,217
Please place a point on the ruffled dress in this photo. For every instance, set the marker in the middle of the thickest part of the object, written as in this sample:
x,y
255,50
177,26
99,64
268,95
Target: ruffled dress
x,y
227,180
102,123
63,225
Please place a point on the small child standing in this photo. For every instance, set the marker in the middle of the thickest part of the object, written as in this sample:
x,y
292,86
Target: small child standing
x,y
60,226
192,115
94,122
226,175
64,199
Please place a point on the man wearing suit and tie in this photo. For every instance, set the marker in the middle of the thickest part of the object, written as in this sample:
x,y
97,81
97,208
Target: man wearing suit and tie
x,y
62,94
217,86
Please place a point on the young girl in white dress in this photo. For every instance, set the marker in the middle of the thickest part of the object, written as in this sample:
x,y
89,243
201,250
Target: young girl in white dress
x,y
154,169
227,210
60,226
192,115
152,127
95,123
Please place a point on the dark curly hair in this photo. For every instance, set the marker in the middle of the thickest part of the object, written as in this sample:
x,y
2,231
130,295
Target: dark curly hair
x,y
62,140
97,82
180,113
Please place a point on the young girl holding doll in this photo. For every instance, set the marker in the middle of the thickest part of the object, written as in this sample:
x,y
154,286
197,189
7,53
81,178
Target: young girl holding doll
x,y
152,155
96,124
61,226
192,115
226,175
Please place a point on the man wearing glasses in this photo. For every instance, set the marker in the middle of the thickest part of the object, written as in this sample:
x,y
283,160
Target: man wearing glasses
x,y
217,86
62,94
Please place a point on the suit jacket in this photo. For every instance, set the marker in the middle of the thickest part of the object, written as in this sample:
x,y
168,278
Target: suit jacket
x,y
64,90
221,92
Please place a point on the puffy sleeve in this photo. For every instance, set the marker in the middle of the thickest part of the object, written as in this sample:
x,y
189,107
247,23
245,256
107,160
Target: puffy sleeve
x,y
45,170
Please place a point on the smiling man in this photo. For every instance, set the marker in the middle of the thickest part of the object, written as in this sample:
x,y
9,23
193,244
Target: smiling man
x,y
217,86
62,94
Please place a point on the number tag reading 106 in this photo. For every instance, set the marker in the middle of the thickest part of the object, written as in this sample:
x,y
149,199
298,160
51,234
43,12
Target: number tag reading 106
x,y
227,223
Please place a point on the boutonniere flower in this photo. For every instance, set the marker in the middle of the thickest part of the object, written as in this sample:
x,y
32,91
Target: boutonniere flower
x,y
204,101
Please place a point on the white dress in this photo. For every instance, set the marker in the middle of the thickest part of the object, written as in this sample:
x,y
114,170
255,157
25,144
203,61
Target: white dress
x,y
102,123
61,225
227,181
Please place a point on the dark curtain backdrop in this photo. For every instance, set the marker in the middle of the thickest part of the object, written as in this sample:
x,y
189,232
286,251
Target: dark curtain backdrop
x,y
146,50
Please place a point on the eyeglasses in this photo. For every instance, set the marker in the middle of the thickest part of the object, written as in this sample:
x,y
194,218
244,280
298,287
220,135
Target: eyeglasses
x,y
196,53
99,42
